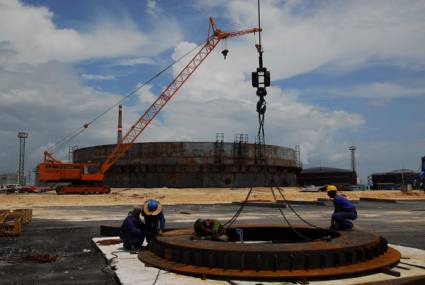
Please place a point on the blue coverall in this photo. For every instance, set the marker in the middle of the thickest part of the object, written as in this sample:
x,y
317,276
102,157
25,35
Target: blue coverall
x,y
344,212
132,232
154,224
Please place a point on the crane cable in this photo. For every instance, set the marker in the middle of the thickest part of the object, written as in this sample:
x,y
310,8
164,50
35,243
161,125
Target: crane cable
x,y
241,207
261,110
286,219
52,149
288,204
294,211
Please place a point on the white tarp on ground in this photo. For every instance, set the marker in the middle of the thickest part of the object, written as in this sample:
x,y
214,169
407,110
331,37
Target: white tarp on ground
x,y
130,270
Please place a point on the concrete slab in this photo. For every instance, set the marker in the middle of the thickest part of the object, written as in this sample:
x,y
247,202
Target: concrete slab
x,y
130,270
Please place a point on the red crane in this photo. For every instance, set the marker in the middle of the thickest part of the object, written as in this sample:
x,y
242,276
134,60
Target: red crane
x,y
88,177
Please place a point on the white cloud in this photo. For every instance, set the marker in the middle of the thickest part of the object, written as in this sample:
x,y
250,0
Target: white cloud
x,y
377,93
151,5
97,77
31,35
384,91
301,36
48,101
133,61
47,98
218,98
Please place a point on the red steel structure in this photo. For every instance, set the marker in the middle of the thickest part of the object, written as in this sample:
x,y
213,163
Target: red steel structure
x,y
88,177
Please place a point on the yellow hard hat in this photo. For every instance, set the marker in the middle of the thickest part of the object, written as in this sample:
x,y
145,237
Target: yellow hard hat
x,y
330,188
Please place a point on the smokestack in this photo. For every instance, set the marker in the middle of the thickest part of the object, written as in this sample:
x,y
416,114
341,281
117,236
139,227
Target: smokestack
x,y
353,157
119,135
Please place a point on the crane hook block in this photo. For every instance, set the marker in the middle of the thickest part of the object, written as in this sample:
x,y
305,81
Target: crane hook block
x,y
225,52
254,79
267,78
261,92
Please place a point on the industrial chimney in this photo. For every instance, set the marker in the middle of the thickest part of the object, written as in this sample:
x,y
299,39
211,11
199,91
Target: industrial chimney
x,y
353,157
119,135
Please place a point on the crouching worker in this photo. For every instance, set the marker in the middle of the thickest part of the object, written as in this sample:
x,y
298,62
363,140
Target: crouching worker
x,y
344,210
210,229
154,219
132,231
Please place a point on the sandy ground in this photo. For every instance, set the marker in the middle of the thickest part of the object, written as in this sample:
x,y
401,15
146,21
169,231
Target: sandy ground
x,y
169,196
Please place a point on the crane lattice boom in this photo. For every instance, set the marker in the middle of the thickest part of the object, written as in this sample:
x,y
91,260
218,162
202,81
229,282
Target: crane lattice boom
x,y
134,132
83,179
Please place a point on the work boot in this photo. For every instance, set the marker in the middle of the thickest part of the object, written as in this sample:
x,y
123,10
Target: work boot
x,y
349,228
334,228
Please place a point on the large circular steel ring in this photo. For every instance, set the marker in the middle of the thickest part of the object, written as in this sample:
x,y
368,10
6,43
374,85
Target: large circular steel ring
x,y
271,251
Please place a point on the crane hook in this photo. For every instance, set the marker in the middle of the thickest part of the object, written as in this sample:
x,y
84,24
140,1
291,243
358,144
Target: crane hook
x,y
224,53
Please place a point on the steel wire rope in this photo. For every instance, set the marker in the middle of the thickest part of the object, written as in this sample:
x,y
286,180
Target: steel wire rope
x,y
286,219
157,276
52,149
294,211
241,207
239,211
65,139
109,267
261,109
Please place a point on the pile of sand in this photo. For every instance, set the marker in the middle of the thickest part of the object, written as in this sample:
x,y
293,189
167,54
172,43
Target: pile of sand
x,y
136,196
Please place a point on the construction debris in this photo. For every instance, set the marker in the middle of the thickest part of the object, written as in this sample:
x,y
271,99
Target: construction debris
x,y
109,241
11,221
41,258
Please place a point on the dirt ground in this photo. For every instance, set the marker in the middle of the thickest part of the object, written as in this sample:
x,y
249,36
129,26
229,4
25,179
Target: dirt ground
x,y
170,196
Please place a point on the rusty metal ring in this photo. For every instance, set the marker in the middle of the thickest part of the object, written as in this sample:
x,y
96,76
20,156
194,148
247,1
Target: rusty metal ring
x,y
271,252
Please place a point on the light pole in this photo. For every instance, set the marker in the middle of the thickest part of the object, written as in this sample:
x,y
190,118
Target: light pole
x,y
21,169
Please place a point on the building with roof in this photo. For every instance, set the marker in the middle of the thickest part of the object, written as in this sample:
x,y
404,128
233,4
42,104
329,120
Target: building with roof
x,y
327,175
8,178
423,164
393,179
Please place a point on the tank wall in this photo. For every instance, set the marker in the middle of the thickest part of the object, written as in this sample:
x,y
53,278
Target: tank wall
x,y
194,164
191,153
324,178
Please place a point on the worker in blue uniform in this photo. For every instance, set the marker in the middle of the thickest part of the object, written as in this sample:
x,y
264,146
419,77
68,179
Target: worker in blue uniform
x,y
132,231
344,212
154,218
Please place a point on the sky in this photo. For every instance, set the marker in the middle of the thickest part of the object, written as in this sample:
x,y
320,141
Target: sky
x,y
344,72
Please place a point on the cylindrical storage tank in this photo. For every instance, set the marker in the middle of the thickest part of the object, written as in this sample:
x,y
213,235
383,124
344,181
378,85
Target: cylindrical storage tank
x,y
196,164
393,179
320,176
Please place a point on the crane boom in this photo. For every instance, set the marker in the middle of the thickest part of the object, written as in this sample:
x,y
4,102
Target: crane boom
x,y
84,180
135,131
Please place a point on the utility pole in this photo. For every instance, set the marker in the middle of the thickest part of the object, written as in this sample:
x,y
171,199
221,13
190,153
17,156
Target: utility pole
x,y
298,155
71,150
21,169
119,133
29,177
